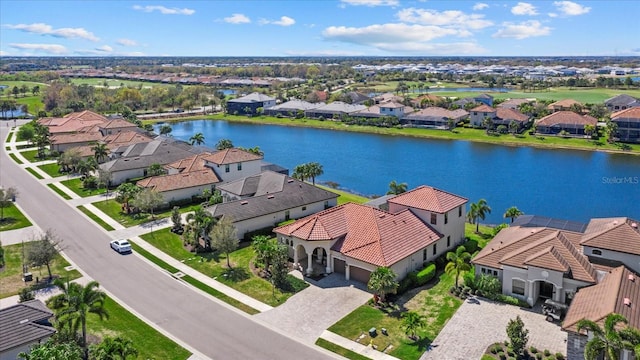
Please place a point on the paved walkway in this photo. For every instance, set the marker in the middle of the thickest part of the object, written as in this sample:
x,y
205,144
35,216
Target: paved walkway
x,y
479,323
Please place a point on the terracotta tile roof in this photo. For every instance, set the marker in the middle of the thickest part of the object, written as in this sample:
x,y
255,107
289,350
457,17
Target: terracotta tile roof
x,y
192,163
428,97
365,233
511,114
564,103
430,199
513,103
616,234
540,247
438,112
484,108
117,123
596,302
75,138
630,113
566,118
190,179
126,137
73,122
231,156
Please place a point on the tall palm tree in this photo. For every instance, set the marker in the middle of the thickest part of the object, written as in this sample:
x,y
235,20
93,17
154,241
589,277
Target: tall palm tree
x,y
114,348
100,151
396,188
197,139
300,172
478,211
201,223
314,170
412,322
165,129
631,340
458,262
607,340
76,303
512,213
382,282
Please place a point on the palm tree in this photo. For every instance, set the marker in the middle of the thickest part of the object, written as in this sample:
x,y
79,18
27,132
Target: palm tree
x,y
224,144
411,323
114,348
631,340
300,172
197,139
458,262
477,211
155,170
76,303
200,222
607,340
512,213
165,129
100,151
396,188
314,170
382,281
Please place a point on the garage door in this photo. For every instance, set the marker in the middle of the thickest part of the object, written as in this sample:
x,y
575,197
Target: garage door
x,y
338,266
359,274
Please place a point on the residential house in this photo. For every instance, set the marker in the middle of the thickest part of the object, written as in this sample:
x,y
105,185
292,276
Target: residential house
x,y
628,122
249,104
180,186
568,121
263,200
356,98
433,117
504,116
465,103
291,108
479,113
564,105
233,164
113,141
63,141
621,102
387,109
22,326
514,103
427,100
484,99
334,110
72,123
116,125
387,97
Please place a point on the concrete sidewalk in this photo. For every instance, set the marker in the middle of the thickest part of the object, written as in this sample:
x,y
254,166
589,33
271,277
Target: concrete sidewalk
x,y
361,349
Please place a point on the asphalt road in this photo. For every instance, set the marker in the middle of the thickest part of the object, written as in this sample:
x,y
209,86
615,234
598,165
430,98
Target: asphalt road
x,y
205,325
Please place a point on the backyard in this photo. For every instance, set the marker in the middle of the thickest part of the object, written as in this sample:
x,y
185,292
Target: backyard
x,y
13,219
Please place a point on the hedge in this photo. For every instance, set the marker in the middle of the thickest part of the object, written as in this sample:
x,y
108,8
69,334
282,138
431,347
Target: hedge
x,y
426,274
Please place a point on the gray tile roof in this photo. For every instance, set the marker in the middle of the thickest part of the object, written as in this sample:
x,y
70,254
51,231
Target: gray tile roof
x,y
294,194
142,155
253,97
622,99
294,105
24,323
267,182
338,107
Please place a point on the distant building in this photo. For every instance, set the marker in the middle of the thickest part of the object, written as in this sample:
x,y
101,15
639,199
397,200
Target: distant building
x,y
248,105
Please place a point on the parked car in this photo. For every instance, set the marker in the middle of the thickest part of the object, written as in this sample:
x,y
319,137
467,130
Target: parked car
x,y
120,245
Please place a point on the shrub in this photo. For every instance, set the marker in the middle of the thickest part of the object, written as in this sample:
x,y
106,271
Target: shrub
x,y
547,352
478,292
533,349
426,274
405,284
559,356
471,246
539,356
469,279
502,356
496,348
26,294
90,182
441,262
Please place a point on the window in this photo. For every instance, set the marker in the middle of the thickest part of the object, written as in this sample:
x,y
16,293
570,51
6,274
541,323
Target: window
x,y
304,208
424,255
326,205
596,252
460,211
448,241
517,287
434,249
287,215
483,270
495,272
226,168
239,166
434,219
446,218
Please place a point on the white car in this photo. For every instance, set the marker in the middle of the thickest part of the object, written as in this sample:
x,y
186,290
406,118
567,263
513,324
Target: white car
x,y
120,245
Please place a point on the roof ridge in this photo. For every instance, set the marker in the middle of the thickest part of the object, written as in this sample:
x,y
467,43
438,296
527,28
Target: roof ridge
x,y
593,235
529,246
582,260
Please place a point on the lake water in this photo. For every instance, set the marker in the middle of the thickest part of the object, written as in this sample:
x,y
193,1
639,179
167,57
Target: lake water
x,y
567,184
12,114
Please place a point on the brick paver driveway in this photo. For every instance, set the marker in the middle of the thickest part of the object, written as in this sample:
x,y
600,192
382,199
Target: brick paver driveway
x,y
480,323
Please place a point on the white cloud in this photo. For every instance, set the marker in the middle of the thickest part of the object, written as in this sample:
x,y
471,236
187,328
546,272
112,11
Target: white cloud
x,y
371,3
569,8
284,21
127,42
45,29
4,53
523,30
104,48
164,10
480,6
237,19
47,48
552,15
523,8
449,18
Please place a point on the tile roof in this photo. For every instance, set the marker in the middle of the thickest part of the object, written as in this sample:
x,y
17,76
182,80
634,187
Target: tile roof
x,y
564,103
143,155
438,113
566,118
253,97
191,163
622,99
267,182
73,122
186,180
294,105
24,323
484,108
117,124
338,106
510,114
513,103
596,302
630,113
231,156
427,97
616,234
430,199
365,233
66,138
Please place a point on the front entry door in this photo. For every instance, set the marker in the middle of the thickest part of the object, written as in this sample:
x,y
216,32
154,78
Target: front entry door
x,y
546,290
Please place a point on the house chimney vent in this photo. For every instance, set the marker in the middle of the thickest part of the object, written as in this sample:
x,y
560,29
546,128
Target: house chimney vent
x,y
244,202
634,225
270,197
627,301
615,222
632,278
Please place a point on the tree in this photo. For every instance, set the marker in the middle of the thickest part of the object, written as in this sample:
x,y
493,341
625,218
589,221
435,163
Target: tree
x,y
6,199
607,340
314,170
224,144
396,188
69,160
43,250
86,167
458,262
513,126
41,138
74,305
155,170
518,335
26,132
104,179
147,200
176,219
264,248
165,129
411,323
279,267
300,172
589,130
35,90
612,129
125,192
382,282
478,211
199,224
197,139
224,237
100,152
117,348
512,213
488,123
51,350
451,124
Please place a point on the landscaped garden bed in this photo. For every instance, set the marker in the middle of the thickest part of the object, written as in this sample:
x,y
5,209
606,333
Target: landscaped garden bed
x,y
502,351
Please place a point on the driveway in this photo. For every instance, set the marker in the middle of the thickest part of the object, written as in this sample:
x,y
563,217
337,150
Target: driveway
x,y
480,323
308,313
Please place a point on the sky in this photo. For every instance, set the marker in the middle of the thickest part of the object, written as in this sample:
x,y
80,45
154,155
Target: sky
x,y
319,28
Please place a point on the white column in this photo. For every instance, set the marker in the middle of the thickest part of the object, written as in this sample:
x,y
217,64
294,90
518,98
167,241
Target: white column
x,y
558,294
530,292
295,253
346,271
327,268
309,264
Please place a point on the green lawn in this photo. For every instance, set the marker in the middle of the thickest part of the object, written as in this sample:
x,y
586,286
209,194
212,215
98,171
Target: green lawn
x,y
214,265
99,82
148,341
346,197
35,173
32,156
11,276
76,186
95,218
114,210
340,350
58,191
9,136
52,170
13,219
15,158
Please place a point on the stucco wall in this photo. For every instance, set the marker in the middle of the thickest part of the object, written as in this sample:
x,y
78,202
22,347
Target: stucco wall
x,y
249,168
119,177
575,346
186,193
631,261
453,228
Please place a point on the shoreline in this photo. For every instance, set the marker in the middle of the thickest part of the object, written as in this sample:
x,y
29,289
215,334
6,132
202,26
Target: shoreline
x,y
412,132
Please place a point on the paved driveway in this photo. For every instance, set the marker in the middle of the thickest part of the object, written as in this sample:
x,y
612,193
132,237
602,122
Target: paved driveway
x,y
308,313
480,323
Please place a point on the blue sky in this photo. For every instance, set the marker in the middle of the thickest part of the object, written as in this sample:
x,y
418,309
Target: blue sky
x,y
319,28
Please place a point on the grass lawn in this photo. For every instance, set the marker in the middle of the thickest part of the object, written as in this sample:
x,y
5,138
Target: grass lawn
x,y
340,350
15,158
99,82
114,210
9,136
13,219
34,103
52,170
58,191
35,173
485,235
76,186
346,197
11,276
149,342
214,265
95,218
32,156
